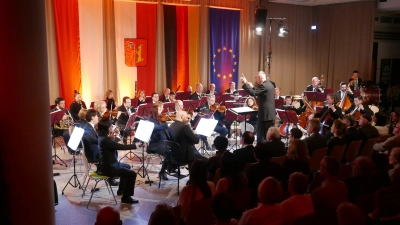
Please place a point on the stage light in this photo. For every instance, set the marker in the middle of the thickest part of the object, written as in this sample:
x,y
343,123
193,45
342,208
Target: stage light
x,y
313,27
282,31
258,29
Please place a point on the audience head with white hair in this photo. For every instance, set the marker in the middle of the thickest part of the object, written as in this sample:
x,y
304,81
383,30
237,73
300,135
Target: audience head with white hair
x,y
273,133
108,216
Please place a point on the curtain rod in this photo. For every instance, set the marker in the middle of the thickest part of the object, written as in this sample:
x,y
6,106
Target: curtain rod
x,y
167,3
220,7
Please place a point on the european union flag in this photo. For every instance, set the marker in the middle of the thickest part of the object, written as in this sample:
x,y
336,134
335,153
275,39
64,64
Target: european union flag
x,y
224,47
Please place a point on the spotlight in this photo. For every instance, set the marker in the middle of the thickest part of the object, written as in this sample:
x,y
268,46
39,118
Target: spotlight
x,y
282,31
258,29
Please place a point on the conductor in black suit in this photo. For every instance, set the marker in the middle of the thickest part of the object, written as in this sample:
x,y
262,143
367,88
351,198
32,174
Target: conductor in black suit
x,y
266,106
355,81
198,93
110,166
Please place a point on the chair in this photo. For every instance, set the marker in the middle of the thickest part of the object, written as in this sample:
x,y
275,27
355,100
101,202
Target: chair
x,y
174,158
367,149
93,176
217,176
246,167
278,160
200,213
326,217
366,203
242,199
352,151
345,171
316,158
337,152
316,182
383,138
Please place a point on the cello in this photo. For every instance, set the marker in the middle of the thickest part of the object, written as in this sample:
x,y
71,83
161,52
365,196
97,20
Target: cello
x,y
345,102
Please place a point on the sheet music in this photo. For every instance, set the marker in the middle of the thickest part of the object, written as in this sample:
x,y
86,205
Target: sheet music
x,y
206,126
144,131
75,138
243,109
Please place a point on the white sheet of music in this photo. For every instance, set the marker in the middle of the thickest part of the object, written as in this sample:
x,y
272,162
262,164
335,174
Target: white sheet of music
x,y
75,138
206,126
144,131
243,109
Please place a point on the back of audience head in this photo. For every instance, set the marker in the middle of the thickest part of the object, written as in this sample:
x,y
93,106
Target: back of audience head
x,y
298,183
298,151
270,191
349,120
163,214
223,206
221,143
313,126
198,177
363,166
349,214
260,152
329,166
229,164
339,128
381,161
247,138
273,133
108,216
394,156
295,133
380,120
365,119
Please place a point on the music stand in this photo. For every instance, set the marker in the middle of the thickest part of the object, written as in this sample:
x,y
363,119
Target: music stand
x,y
191,104
144,109
279,102
128,128
329,90
205,127
143,133
203,100
73,143
230,116
179,95
186,95
315,96
148,99
225,97
56,117
170,106
243,92
242,111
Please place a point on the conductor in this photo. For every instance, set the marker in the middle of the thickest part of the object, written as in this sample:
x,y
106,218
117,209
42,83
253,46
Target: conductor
x,y
266,103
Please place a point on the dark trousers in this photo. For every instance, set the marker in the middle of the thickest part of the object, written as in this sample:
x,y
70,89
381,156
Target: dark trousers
x,y
197,155
222,131
262,129
127,179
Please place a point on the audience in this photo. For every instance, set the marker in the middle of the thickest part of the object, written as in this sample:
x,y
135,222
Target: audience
x,y
198,187
245,154
295,133
223,207
394,160
268,211
390,142
163,214
333,191
380,175
394,119
315,140
232,178
275,147
349,214
338,130
366,129
108,216
300,203
213,163
379,122
296,159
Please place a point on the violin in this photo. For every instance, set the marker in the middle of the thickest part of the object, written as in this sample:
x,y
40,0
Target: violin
x,y
218,107
113,113
167,117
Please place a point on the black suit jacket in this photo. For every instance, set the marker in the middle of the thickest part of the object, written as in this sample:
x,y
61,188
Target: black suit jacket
x,y
266,101
245,155
275,148
90,140
196,96
352,134
367,131
74,109
315,141
181,133
273,83
228,91
366,110
311,88
124,116
335,115
338,96
208,92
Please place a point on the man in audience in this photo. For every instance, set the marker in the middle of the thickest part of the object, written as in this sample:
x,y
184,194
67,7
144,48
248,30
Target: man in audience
x,y
390,142
108,216
213,163
295,133
268,211
223,207
366,129
163,214
394,160
154,97
333,191
352,133
274,146
349,214
246,154
300,203
315,140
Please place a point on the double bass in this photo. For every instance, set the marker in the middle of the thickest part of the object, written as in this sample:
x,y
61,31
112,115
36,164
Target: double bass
x,y
345,102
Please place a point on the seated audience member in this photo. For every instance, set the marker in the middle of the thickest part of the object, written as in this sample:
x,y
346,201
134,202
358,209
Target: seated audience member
x,y
268,211
198,187
232,180
213,163
394,119
163,214
295,133
315,140
387,202
338,130
394,160
300,203
296,159
349,214
380,175
361,182
390,142
333,191
108,216
379,122
274,146
367,131
223,207
352,133
245,154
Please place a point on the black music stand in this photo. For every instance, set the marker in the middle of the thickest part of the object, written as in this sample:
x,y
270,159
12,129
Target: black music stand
x,y
231,116
129,128
225,97
73,143
287,117
143,133
170,106
56,117
191,104
179,95
144,109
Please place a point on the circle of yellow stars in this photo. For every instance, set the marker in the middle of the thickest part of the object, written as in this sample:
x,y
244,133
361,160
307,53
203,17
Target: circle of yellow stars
x,y
219,50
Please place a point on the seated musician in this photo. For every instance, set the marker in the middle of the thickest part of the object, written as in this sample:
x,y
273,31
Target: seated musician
x,y
109,165
63,123
111,104
277,93
76,106
334,112
231,89
124,112
101,108
358,106
198,94
165,97
142,97
154,97
251,103
339,95
172,96
211,90
189,88
215,115
315,86
288,105
355,81
78,123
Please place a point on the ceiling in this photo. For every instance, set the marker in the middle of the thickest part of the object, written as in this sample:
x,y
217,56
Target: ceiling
x,y
314,2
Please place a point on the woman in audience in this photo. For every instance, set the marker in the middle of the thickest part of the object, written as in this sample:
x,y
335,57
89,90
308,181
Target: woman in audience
x,y
268,211
379,122
197,189
296,159
338,130
223,207
232,179
163,214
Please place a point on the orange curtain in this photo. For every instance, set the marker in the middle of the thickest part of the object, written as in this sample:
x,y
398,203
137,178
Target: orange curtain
x,y
66,20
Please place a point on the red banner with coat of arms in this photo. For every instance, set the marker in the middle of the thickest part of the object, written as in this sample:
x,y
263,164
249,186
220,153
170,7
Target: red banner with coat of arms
x,y
135,52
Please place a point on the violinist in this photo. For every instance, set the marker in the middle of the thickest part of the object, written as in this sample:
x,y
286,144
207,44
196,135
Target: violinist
x,y
358,106
101,108
109,99
142,97
315,86
214,114
277,93
342,92
211,90
355,81
251,103
198,94
289,106
124,112
329,111
76,106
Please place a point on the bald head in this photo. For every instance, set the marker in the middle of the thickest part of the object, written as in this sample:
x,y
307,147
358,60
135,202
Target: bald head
x,y
108,216
349,214
363,166
181,116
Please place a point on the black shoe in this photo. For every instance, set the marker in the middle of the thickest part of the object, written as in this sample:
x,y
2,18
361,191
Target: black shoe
x,y
120,192
94,190
129,200
113,182
163,175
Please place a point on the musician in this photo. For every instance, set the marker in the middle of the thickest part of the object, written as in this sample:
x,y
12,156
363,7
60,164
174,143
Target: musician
x,y
198,94
277,93
211,90
189,88
76,106
266,109
101,108
288,105
155,98
60,104
335,112
109,165
165,97
315,86
124,112
178,105
269,79
142,97
358,106
172,96
111,104
355,81
216,115
343,90
228,123
251,103
231,88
